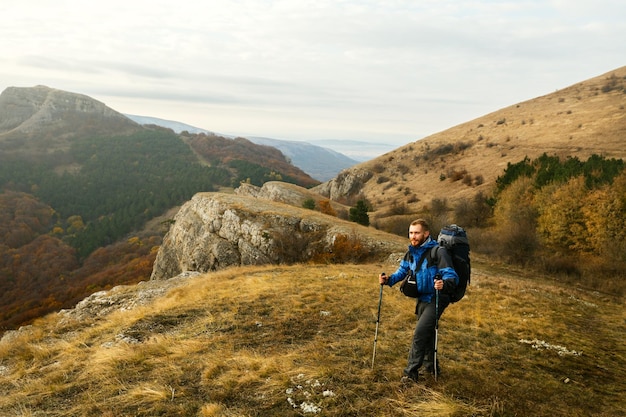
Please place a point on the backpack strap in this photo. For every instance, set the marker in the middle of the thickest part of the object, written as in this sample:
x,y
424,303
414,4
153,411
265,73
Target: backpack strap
x,y
427,253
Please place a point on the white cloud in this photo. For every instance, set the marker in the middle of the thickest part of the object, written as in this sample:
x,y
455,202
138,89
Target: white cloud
x,y
291,69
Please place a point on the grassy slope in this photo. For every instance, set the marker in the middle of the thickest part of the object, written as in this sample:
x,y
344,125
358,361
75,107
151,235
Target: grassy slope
x,y
579,120
292,340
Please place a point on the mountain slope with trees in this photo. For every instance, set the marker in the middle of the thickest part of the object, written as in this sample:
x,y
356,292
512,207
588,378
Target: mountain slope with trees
x,y
319,162
80,182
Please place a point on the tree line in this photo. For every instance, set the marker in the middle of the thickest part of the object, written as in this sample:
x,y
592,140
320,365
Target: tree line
x,y
564,216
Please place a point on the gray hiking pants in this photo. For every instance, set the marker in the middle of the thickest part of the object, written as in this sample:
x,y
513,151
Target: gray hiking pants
x,y
423,345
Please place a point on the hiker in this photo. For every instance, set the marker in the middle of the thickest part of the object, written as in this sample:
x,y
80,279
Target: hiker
x,y
433,274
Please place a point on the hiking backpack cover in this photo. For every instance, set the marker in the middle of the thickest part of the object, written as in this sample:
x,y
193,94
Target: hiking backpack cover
x,y
454,239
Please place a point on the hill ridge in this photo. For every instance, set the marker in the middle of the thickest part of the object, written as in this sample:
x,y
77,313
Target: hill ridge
x,y
585,118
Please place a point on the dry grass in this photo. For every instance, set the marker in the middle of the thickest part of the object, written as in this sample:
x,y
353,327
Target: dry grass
x,y
298,340
579,120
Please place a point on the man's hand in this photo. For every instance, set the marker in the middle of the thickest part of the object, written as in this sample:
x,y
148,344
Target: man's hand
x,y
382,278
438,284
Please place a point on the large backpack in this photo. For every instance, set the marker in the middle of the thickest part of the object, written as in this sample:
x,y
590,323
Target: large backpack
x,y
454,239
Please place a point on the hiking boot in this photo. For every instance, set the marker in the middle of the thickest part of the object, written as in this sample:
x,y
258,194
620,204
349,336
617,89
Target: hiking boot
x,y
409,379
428,367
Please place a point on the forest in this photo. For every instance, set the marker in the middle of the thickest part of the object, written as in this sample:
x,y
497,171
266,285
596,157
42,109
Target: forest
x,y
71,221
564,217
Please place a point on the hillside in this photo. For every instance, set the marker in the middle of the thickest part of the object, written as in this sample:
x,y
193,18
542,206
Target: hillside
x,y
457,163
231,336
255,341
580,120
319,162
79,185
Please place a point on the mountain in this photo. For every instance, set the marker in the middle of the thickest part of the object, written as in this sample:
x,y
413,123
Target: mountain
x,y
319,162
418,179
39,120
458,163
228,327
177,127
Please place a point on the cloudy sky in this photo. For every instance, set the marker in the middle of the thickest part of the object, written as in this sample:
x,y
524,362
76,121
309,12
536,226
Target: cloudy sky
x,y
375,70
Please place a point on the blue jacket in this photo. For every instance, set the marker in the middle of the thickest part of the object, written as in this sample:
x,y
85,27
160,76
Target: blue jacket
x,y
425,275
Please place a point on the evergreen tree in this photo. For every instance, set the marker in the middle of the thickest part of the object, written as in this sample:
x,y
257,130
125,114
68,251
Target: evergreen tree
x,y
358,214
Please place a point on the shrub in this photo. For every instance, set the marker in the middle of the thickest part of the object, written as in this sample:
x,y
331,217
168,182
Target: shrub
x,y
473,213
344,249
327,208
455,175
309,203
378,168
397,209
294,247
438,207
403,169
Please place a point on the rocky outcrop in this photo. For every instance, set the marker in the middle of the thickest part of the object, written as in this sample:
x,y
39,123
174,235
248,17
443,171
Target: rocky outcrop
x,y
287,193
214,230
348,183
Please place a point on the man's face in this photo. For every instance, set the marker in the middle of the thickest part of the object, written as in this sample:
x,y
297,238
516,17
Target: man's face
x,y
417,235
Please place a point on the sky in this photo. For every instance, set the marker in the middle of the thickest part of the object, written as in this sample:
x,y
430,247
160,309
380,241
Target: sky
x,y
390,71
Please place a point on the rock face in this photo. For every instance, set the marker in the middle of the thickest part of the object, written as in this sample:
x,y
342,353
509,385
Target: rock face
x,y
213,231
283,192
347,183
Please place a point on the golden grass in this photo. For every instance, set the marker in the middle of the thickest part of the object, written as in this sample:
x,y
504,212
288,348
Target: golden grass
x,y
579,120
298,340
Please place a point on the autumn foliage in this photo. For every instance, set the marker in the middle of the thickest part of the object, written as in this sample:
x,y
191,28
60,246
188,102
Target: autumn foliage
x,y
250,158
567,216
41,273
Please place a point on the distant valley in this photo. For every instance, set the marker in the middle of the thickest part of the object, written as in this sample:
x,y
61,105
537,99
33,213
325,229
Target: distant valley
x,y
321,159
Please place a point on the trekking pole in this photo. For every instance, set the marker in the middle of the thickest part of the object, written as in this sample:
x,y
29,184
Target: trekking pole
x,y
380,301
436,332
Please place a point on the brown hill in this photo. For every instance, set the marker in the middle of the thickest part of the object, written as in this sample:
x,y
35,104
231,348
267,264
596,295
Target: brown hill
x,y
583,119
